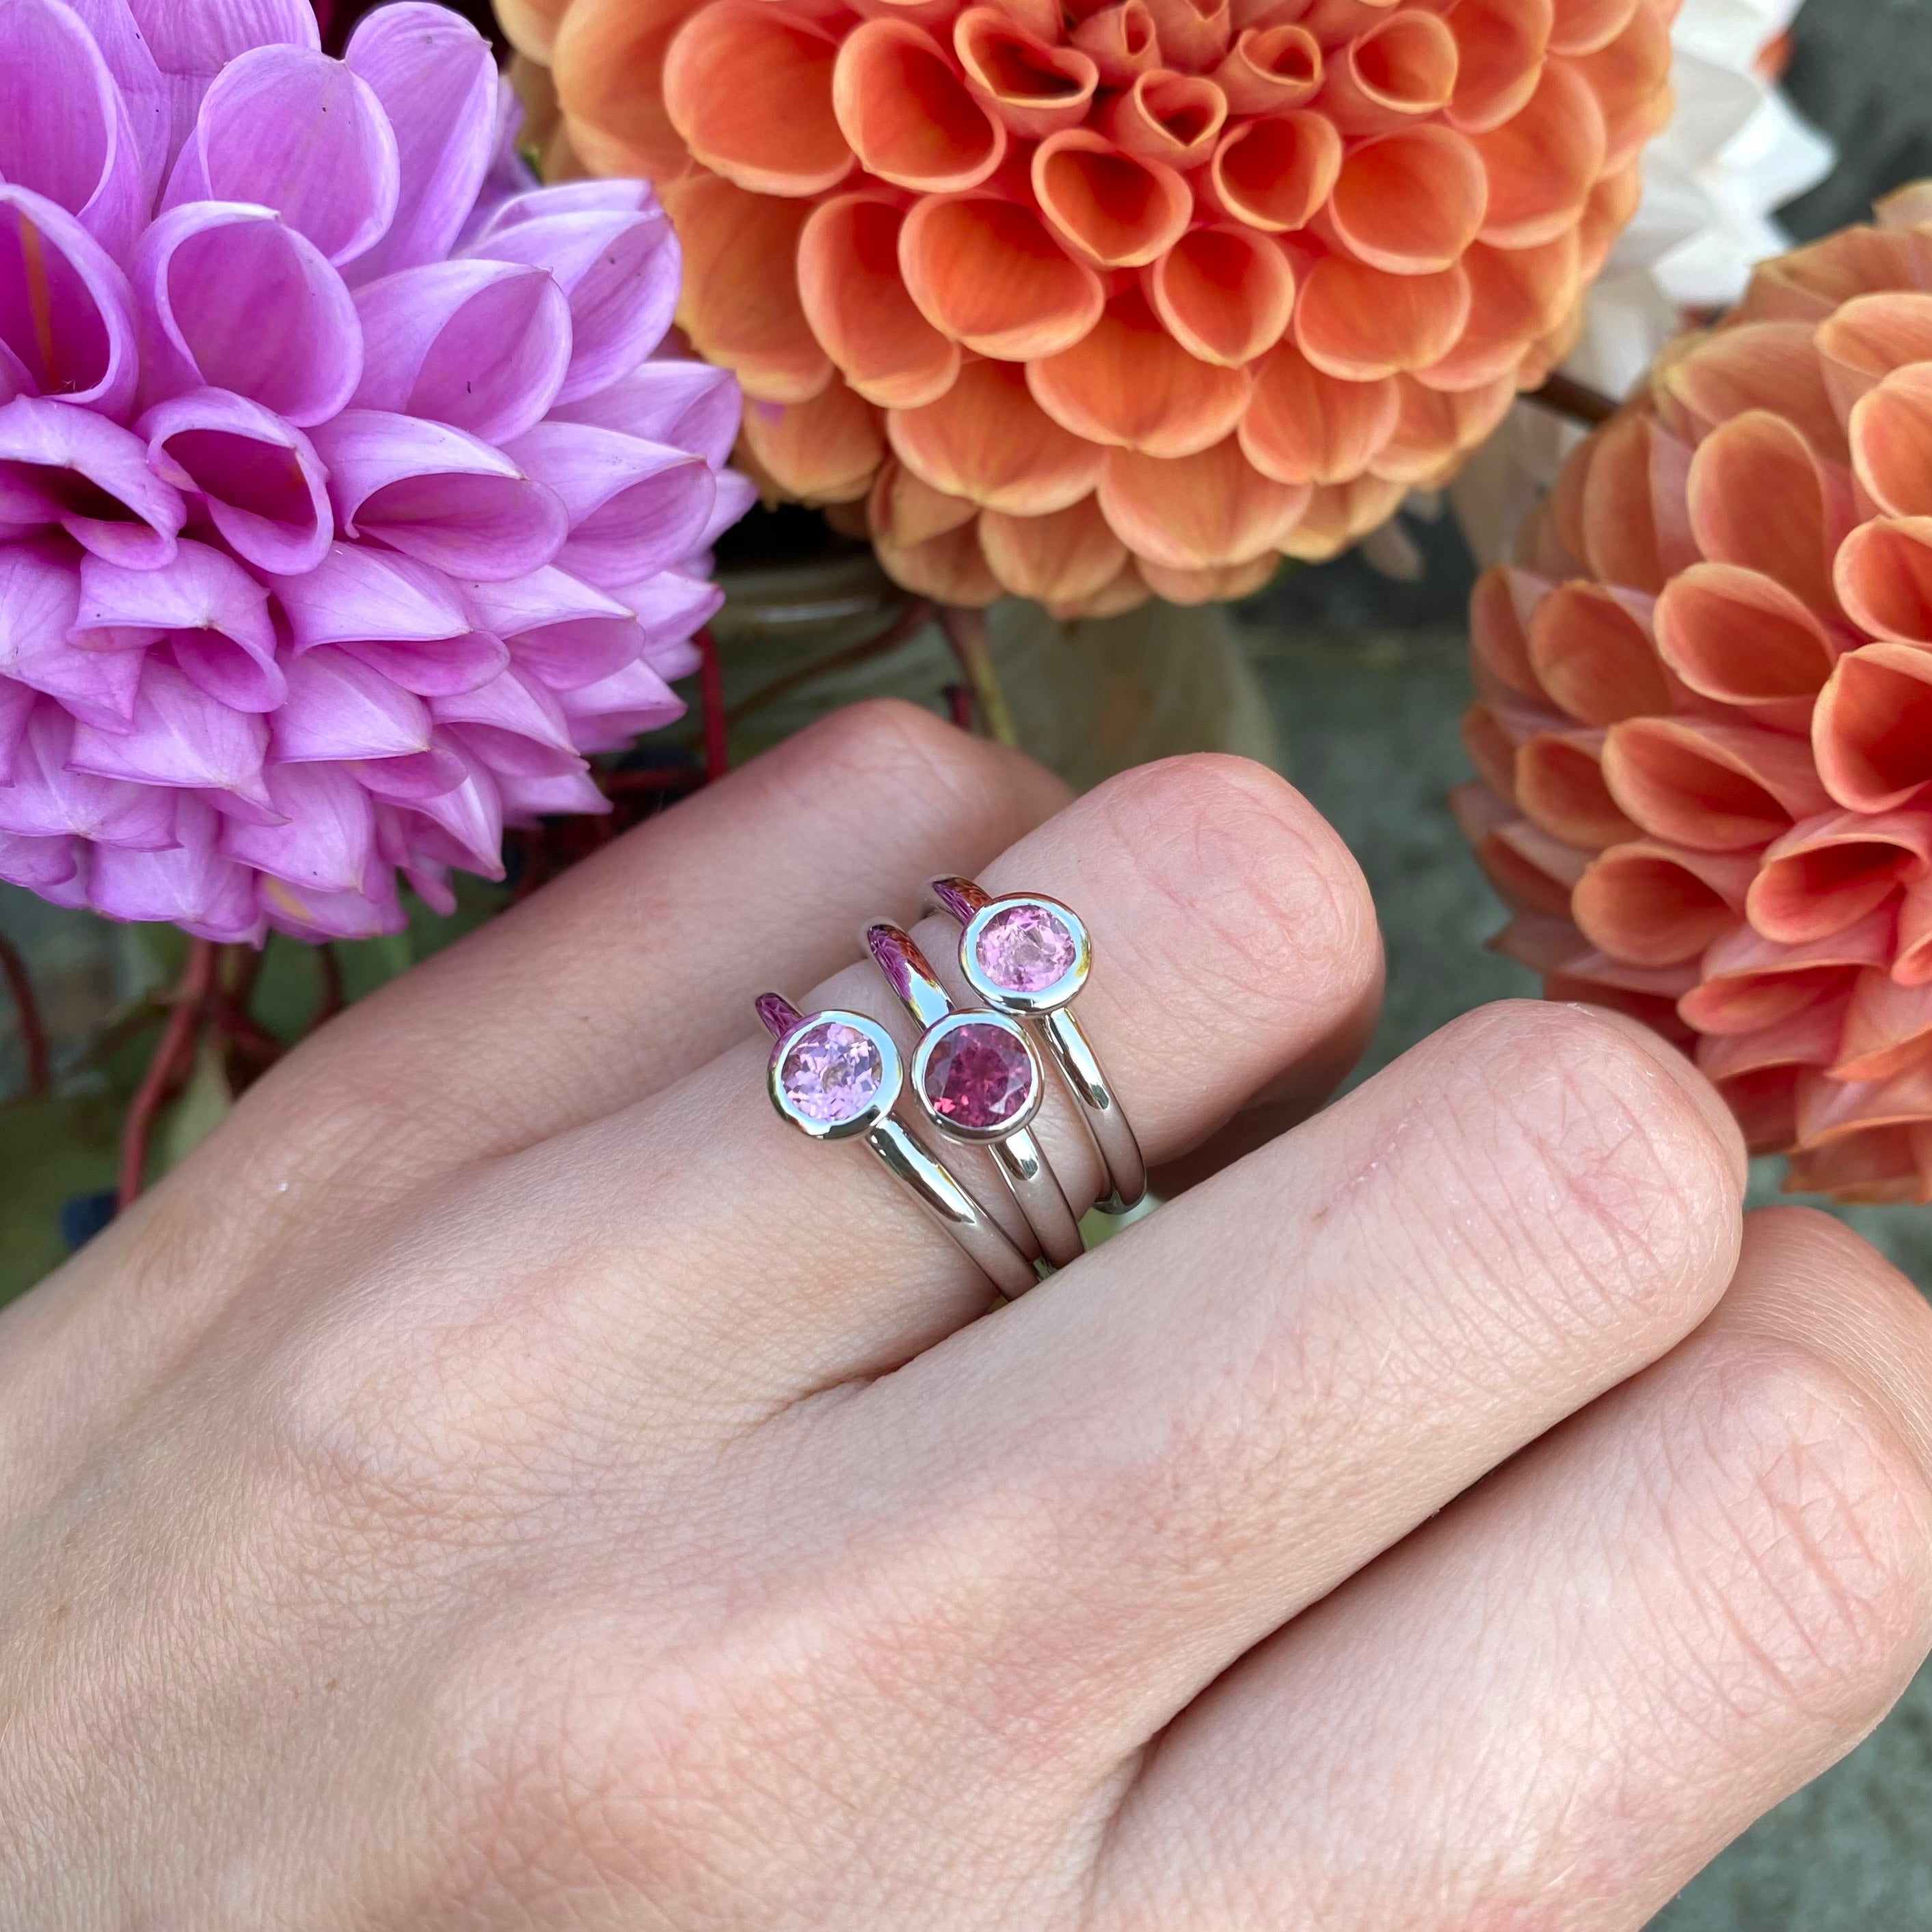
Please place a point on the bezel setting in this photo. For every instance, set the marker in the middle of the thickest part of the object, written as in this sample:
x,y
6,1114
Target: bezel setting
x,y
1048,999
892,1078
935,1036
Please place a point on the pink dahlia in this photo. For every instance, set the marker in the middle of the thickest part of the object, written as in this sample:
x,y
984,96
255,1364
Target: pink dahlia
x,y
347,499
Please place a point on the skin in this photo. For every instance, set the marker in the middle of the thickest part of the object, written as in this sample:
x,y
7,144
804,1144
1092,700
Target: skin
x,y
506,1479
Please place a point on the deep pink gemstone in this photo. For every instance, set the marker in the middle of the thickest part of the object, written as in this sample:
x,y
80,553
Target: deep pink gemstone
x,y
831,1073
979,1076
1025,948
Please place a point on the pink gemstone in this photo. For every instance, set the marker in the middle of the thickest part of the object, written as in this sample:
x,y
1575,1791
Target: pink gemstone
x,y
979,1076
831,1073
1025,948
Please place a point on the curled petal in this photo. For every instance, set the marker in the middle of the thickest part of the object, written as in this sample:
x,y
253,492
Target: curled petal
x,y
560,629
179,737
1114,209
1807,284
1760,498
1339,514
669,606
513,724
987,273
1517,297
1500,611
1035,88
741,302
611,713
620,269
1225,295
340,708
609,62
1121,41
1628,79
634,507
1542,161
1768,366
1715,787
42,865
1883,574
904,511
1500,46
70,466
1889,431
1750,982
17,706
1398,70
1358,324
827,451
1192,33
1560,787
987,439
1064,557
1273,174
1833,869
950,568
288,129
319,916
1176,118
327,836
1871,733
190,45
48,797
858,305
216,614
1657,905
1883,1167
144,91
356,592
1303,427
190,885
908,116
1739,637
230,297
1809,1037
67,314
1411,201
1271,70
748,85
450,665
260,482
1861,344
64,132
482,345
1593,657
1583,26
1226,584
1129,384
1432,427
1197,512
437,495
1531,872
434,75
669,399
95,678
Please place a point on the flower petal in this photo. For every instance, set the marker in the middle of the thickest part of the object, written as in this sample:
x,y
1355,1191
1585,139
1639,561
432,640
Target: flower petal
x,y
436,81
46,799
514,723
66,313
260,481
70,466
39,865
669,606
285,128
559,628
340,708
436,494
608,715
191,885
1198,512
328,834
670,399
231,298
182,737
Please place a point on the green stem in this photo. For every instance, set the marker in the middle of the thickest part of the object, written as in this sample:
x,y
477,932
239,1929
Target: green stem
x,y
966,632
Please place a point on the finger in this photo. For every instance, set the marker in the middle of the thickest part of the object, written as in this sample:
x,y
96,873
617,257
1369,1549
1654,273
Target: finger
x,y
702,1242
1562,1698
1226,1412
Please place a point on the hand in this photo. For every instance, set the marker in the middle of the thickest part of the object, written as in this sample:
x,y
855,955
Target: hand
x,y
507,1479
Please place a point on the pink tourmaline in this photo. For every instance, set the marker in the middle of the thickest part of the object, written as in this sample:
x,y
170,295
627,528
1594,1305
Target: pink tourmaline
x,y
831,1073
979,1076
1025,948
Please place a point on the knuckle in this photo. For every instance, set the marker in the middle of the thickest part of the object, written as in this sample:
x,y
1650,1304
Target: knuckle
x,y
1589,1164
1816,1558
1275,908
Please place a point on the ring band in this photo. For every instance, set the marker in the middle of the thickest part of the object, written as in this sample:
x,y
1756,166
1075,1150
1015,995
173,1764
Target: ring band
x,y
1028,956
977,1077
838,1076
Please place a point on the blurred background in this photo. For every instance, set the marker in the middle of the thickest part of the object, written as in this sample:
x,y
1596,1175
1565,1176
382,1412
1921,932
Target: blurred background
x,y
1352,678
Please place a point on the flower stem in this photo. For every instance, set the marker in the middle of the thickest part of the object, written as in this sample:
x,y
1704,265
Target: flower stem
x,y
33,1032
1577,400
966,632
173,1053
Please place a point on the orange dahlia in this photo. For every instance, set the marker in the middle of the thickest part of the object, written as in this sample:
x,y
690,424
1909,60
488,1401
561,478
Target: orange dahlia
x,y
1088,300
1705,721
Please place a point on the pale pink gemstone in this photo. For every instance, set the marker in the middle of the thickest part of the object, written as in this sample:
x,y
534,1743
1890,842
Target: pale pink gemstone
x,y
831,1073
1025,948
979,1076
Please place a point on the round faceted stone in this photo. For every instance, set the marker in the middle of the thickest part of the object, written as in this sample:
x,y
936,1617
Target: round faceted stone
x,y
1025,950
831,1073
979,1076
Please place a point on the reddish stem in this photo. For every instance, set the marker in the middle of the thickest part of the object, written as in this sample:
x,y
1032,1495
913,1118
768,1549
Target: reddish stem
x,y
33,1031
172,1053
711,701
1577,400
959,705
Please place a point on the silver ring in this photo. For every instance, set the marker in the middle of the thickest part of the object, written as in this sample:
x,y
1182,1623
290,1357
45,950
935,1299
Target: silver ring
x,y
977,1078
837,1076
1028,956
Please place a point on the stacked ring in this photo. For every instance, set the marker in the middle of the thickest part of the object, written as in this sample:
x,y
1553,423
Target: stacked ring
x,y
837,1076
977,1078
1028,956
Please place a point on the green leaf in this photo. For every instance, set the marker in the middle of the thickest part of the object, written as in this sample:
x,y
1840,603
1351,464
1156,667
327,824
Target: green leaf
x,y
50,1150
203,1102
